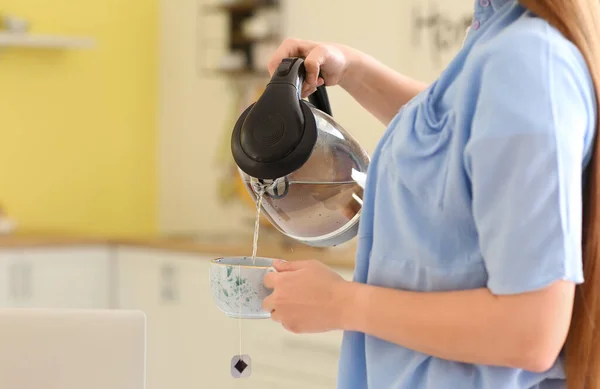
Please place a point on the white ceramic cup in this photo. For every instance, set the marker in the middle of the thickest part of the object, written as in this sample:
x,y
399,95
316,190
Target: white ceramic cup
x,y
237,286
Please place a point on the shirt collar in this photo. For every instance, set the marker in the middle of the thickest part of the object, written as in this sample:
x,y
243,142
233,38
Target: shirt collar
x,y
489,6
485,9
497,4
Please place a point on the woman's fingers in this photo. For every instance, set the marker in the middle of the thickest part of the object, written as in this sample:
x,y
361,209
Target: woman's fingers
x,y
290,48
308,90
275,316
268,304
312,64
270,279
314,56
328,60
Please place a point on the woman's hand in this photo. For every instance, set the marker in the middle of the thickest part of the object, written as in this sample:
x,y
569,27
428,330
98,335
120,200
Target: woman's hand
x,y
307,296
332,60
379,89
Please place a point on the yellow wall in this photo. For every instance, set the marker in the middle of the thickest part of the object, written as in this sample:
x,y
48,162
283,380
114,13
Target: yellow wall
x,y
77,127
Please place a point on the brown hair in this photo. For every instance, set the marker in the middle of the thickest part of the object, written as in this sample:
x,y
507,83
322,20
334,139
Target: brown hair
x,y
579,21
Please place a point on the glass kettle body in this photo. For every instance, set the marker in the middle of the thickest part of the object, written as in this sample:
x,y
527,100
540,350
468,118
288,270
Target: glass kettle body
x,y
310,170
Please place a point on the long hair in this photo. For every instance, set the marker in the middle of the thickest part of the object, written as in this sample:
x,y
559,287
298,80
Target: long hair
x,y
579,21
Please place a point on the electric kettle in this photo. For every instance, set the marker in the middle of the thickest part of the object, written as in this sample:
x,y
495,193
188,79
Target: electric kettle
x,y
309,172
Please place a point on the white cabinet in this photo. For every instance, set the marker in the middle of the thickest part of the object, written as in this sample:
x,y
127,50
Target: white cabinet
x,y
184,342
76,277
139,280
66,277
10,277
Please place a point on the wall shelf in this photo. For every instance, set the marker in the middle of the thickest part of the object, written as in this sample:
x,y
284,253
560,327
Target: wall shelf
x,y
240,39
239,13
244,72
44,41
238,6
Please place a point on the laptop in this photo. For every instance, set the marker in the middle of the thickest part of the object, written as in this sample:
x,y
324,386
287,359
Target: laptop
x,y
72,349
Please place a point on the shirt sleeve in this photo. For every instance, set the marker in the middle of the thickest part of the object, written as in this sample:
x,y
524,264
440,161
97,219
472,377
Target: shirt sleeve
x,y
525,155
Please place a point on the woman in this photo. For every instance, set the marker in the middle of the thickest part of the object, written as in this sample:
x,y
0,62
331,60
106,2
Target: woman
x,y
470,264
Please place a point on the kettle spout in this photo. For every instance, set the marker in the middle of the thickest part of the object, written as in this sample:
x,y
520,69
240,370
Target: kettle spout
x,y
276,189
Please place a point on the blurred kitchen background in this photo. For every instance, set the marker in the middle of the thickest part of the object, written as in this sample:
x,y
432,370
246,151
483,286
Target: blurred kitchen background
x,y
116,180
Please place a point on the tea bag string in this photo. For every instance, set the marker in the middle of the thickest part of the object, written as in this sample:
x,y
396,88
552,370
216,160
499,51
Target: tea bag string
x,y
261,192
239,282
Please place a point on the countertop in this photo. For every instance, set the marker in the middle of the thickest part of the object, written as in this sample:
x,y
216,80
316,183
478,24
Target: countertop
x,y
342,256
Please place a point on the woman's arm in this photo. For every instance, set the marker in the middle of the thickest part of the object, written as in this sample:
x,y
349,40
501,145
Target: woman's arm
x,y
524,331
379,89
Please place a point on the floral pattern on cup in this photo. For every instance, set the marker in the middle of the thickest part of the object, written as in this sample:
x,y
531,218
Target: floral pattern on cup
x,y
237,286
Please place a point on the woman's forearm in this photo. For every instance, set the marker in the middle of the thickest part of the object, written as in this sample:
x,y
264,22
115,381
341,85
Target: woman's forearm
x,y
524,331
379,89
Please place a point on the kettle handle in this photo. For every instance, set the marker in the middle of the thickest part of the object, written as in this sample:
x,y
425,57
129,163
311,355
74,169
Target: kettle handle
x,y
320,99
292,71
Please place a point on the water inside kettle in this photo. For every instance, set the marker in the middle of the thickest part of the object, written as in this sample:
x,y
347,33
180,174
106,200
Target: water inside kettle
x,y
311,209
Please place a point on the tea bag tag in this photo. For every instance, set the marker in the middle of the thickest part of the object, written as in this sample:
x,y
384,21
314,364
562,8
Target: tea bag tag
x,y
241,366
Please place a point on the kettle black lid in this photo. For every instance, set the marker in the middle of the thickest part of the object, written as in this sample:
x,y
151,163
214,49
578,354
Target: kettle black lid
x,y
276,135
